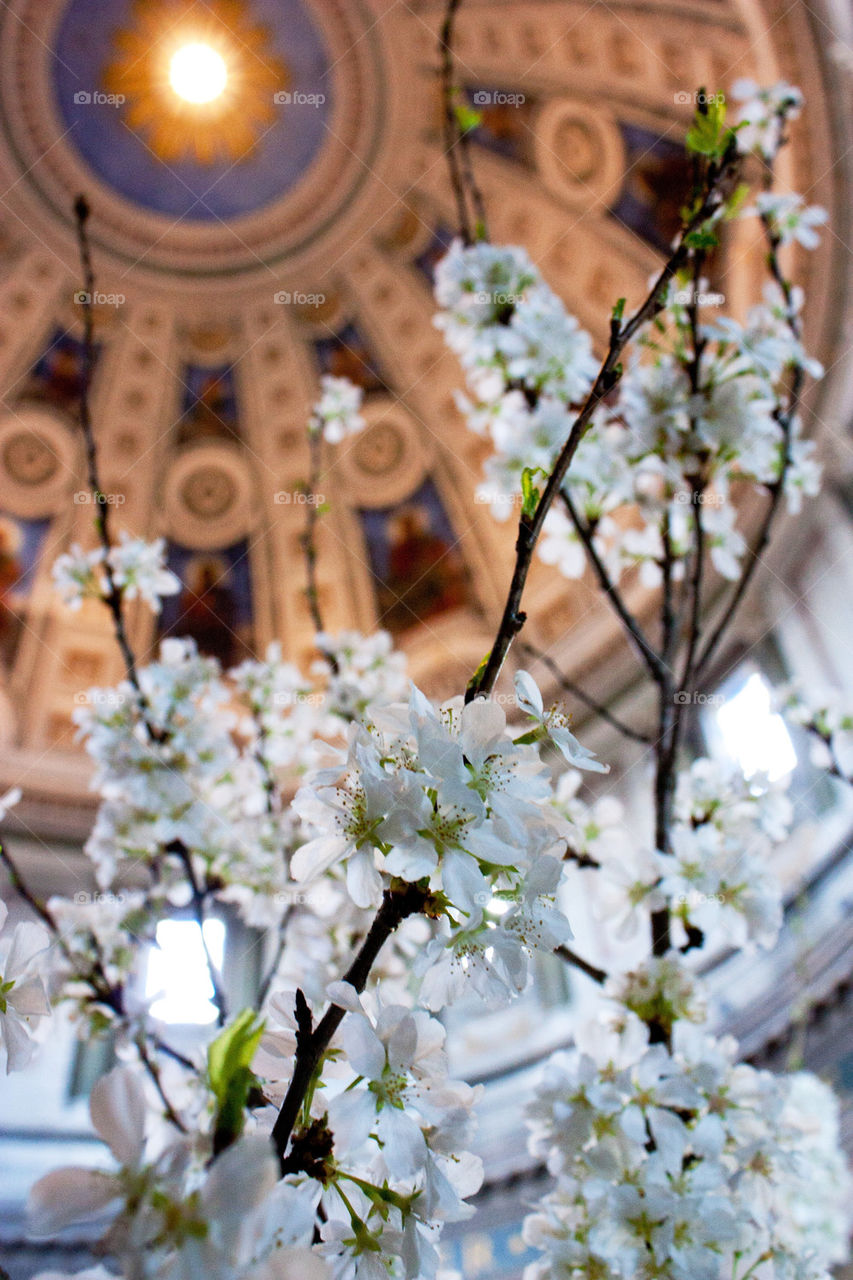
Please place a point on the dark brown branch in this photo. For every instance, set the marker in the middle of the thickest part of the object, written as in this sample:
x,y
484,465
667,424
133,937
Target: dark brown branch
x,y
309,536
577,692
114,597
578,962
668,723
20,887
311,1044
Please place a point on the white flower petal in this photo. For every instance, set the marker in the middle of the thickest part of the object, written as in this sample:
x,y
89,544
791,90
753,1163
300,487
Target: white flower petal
x,y
118,1110
69,1195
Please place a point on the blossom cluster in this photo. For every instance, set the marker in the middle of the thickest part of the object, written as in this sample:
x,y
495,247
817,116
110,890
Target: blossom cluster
x,y
674,1160
699,413
664,454
447,798
717,876
136,567
828,718
526,360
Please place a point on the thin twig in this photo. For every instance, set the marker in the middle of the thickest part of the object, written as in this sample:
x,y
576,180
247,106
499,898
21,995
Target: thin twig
x,y
309,535
114,596
642,644
457,145
102,989
308,538
576,691
154,1073
199,897
19,885
591,970
668,721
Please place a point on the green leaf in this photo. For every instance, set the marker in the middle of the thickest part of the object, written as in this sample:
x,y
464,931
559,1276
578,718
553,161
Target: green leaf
x,y
466,117
736,200
701,238
232,1049
708,135
474,682
529,492
230,1076
618,311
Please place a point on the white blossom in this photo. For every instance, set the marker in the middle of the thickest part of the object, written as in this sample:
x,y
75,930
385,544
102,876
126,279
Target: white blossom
x,y
763,115
790,219
336,413
23,998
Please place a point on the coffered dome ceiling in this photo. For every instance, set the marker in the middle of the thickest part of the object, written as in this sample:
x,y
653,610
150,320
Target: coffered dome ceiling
x,y
288,227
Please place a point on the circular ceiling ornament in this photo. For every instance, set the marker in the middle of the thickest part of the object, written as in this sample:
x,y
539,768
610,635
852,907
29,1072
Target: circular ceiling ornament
x,y
579,152
264,175
39,460
195,84
209,492
387,461
223,145
209,497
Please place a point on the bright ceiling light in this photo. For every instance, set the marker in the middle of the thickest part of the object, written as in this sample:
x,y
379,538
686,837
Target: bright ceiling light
x,y
198,73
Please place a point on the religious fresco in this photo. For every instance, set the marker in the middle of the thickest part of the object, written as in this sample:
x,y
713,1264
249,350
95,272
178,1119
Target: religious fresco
x,y
418,570
214,605
56,378
209,409
657,175
21,544
349,354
